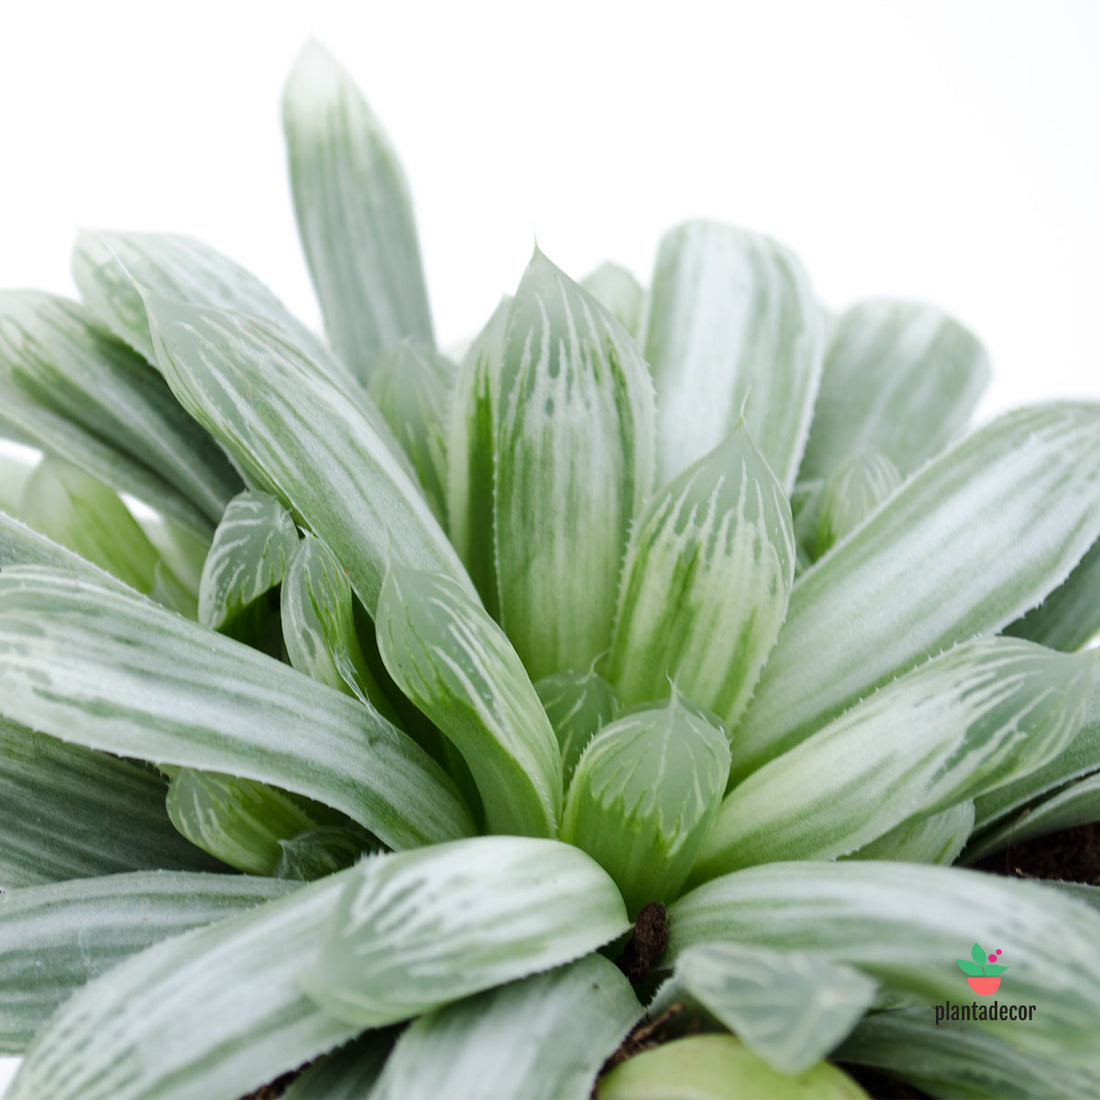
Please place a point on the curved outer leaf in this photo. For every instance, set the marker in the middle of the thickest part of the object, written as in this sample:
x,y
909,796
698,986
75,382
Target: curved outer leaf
x,y
471,454
905,924
979,535
578,704
924,838
67,812
900,377
111,671
543,1038
618,290
58,937
788,1007
1069,618
416,930
300,438
252,546
573,468
644,796
227,997
20,545
855,489
81,394
708,573
454,663
732,330
960,724
354,214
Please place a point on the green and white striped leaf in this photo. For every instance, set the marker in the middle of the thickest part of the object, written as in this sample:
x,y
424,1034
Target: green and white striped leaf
x,y
961,724
67,812
902,378
417,930
56,938
790,1008
322,850
732,331
95,666
412,386
574,465
979,535
298,437
959,1060
578,704
354,214
78,393
542,1038
905,924
454,663
471,454
227,997
645,795
1069,618
618,290
252,546
318,618
855,489
924,838
708,573
349,1073
20,545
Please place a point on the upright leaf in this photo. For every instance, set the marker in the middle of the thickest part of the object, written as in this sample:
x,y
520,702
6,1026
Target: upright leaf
x,y
574,465
354,214
578,704
1069,618
620,292
732,330
855,489
979,535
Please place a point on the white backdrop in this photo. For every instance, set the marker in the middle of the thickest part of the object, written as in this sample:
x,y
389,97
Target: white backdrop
x,y
939,150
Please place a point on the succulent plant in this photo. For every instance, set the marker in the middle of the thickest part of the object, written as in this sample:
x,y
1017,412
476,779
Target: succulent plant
x,y
681,626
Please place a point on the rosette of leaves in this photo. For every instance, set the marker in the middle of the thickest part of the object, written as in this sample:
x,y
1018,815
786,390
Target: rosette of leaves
x,y
416,681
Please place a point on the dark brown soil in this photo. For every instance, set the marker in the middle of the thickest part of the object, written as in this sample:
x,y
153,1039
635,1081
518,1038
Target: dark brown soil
x,y
1072,855
647,944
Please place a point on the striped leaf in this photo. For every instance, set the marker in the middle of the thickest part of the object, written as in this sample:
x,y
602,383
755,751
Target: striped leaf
x,y
322,850
354,214
578,704
543,1038
67,812
299,438
56,938
1069,618
901,378
645,795
416,930
790,1008
904,925
451,660
732,331
961,724
111,671
252,546
82,395
19,545
974,539
618,290
227,996
855,489
471,454
574,465
924,838
708,573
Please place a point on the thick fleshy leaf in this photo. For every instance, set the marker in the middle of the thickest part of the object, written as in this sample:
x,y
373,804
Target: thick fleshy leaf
x,y
349,1073
354,214
979,535
16,466
322,850
900,377
300,438
905,924
620,292
412,386
1069,618
82,395
578,704
574,466
95,666
788,1007
957,726
543,1038
471,454
451,660
67,812
252,546
227,997
56,938
732,331
645,795
855,489
417,930
924,838
708,573
20,545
